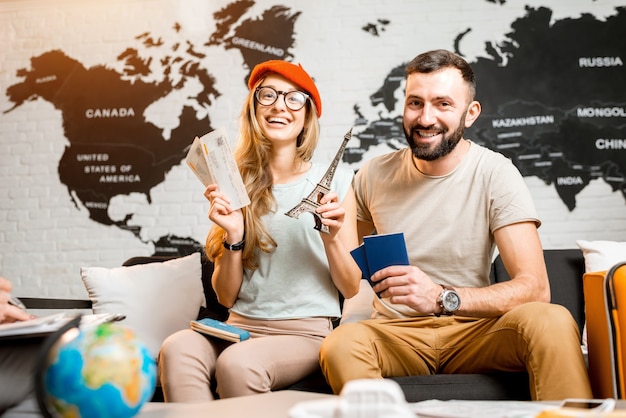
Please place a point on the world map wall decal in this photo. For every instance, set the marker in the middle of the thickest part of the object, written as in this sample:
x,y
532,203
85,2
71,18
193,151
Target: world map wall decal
x,y
553,96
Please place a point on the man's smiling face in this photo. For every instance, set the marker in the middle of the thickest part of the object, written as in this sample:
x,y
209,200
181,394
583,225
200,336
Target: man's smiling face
x,y
435,111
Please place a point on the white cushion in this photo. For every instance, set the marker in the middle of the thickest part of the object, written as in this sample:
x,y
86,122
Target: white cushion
x,y
602,255
158,298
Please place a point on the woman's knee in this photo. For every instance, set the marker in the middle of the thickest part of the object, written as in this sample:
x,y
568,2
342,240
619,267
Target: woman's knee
x,y
240,375
171,346
187,349
177,343
229,365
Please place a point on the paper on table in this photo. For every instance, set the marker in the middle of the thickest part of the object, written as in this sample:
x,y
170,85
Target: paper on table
x,y
48,324
479,409
211,159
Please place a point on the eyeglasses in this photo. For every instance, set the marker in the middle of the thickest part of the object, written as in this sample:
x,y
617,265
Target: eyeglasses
x,y
267,96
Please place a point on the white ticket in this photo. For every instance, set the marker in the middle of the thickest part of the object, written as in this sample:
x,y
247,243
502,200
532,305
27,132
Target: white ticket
x,y
219,166
196,161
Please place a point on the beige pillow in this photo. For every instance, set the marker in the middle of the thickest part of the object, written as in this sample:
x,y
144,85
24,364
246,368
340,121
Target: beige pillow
x,y
602,255
359,306
158,298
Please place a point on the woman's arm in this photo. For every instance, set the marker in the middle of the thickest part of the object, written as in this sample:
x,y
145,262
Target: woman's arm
x,y
341,220
228,271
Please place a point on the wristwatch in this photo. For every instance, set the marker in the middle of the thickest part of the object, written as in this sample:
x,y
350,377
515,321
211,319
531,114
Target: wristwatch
x,y
233,247
449,300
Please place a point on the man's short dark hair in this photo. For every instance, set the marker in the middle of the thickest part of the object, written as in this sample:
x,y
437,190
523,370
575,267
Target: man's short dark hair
x,y
438,59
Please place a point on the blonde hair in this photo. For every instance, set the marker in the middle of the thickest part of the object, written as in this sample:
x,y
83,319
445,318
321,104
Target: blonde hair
x,y
252,154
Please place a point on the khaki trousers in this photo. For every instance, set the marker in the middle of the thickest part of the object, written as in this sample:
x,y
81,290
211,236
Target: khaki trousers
x,y
541,338
193,366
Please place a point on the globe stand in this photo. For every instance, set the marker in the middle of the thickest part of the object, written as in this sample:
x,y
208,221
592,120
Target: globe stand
x,y
41,363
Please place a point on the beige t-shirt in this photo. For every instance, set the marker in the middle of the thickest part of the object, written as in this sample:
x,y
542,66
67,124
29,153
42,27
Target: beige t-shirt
x,y
448,221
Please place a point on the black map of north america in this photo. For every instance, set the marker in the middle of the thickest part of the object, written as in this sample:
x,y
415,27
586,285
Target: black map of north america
x,y
113,149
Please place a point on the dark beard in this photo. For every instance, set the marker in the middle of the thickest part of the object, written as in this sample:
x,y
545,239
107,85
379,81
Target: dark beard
x,y
445,147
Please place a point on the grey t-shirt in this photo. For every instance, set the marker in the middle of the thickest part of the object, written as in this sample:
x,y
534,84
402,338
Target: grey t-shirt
x,y
294,281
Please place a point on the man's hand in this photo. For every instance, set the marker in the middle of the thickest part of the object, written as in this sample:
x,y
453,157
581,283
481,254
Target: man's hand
x,y
408,285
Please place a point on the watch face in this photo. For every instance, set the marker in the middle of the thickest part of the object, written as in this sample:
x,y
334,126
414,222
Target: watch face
x,y
451,301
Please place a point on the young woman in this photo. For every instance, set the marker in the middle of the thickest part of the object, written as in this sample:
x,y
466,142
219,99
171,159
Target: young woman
x,y
278,275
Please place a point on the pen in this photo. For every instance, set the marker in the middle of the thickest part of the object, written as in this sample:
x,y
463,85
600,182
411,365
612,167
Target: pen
x,y
16,302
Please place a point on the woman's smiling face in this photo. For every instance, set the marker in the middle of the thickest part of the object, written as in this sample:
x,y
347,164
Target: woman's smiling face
x,y
277,121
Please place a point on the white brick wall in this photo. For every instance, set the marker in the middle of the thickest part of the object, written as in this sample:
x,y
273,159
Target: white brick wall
x,y
45,238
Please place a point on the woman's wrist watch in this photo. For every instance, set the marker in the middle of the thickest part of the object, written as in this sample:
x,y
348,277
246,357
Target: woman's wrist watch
x,y
449,300
233,247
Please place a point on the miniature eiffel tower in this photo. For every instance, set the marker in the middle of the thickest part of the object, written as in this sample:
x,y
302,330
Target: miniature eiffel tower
x,y
311,202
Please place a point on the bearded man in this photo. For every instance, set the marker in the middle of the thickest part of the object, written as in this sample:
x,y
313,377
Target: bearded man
x,y
456,202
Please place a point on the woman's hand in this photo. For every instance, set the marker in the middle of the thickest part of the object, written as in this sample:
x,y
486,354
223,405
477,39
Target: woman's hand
x,y
331,213
223,215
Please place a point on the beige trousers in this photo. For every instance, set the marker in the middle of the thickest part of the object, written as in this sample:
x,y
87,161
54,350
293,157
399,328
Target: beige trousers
x,y
192,366
541,338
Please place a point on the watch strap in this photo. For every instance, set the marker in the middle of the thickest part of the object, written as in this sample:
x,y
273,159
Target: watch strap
x,y
234,247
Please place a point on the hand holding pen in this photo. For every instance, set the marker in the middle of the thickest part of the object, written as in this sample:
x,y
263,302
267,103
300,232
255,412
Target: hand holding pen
x,y
16,302
11,308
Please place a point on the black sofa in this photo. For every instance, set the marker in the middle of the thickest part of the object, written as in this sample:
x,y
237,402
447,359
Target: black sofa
x,y
565,269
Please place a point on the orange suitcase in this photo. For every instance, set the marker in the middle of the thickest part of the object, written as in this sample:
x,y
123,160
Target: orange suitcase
x,y
605,311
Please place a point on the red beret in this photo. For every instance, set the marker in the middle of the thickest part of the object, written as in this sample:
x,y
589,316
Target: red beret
x,y
293,73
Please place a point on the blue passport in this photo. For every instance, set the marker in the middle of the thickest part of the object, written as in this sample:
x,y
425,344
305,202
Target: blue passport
x,y
385,250
358,254
380,251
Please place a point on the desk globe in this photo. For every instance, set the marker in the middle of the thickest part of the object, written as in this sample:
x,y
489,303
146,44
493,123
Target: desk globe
x,y
100,371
